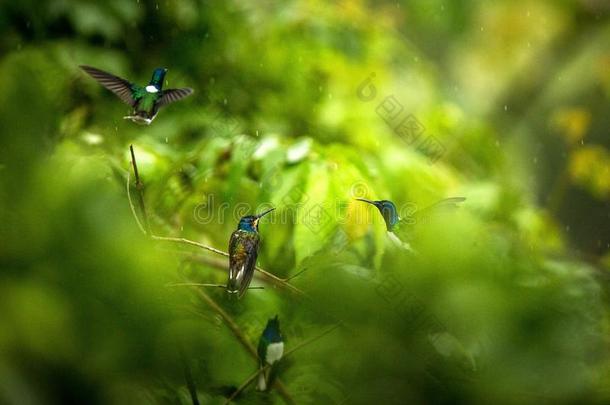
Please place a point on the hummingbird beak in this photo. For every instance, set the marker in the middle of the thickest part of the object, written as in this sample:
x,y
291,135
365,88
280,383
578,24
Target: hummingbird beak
x,y
367,201
259,216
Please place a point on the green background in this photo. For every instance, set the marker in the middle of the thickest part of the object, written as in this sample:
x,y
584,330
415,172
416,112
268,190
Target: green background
x,y
504,302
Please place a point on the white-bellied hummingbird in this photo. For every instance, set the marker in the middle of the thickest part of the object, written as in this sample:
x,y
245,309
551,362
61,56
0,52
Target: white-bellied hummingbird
x,y
145,101
399,229
270,351
243,251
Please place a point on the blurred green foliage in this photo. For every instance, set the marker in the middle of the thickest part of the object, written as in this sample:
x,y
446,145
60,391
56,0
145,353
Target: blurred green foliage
x,y
506,299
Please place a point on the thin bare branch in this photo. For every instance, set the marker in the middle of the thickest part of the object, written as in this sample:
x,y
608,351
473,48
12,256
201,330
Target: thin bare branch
x,y
275,279
140,188
208,285
133,208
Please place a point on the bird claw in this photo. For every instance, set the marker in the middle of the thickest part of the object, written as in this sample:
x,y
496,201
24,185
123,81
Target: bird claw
x,y
138,120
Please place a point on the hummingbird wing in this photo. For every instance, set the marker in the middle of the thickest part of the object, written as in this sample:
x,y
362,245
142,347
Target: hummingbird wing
x,y
407,224
171,95
121,87
446,203
243,251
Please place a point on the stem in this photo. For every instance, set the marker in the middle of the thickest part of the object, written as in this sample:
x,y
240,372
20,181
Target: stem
x,y
140,188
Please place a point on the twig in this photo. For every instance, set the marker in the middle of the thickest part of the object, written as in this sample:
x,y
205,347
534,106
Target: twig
x,y
133,208
267,366
270,276
296,275
139,187
246,383
208,285
311,340
281,389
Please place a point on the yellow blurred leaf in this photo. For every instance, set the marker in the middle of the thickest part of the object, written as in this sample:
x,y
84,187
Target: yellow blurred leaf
x,y
572,123
589,167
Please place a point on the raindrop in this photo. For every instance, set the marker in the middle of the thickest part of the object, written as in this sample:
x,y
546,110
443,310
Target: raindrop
x,y
224,101
582,141
505,107
166,140
157,6
181,228
257,132
482,29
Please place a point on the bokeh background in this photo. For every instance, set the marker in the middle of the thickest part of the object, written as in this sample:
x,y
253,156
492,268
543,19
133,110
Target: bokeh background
x,y
305,105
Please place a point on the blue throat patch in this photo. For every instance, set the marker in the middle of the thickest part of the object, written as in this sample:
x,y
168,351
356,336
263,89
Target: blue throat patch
x,y
157,78
272,331
246,224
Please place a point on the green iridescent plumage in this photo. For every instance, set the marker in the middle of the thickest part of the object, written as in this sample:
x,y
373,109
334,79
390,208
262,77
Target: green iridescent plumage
x,y
243,251
399,229
146,100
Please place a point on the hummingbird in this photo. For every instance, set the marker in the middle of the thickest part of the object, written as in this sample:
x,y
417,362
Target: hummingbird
x,y
243,250
145,101
398,228
270,351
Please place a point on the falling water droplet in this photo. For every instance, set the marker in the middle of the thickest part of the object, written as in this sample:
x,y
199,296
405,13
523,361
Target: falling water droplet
x,y
225,101
166,140
505,107
257,132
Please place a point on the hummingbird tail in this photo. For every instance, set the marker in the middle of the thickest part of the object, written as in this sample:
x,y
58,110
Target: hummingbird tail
x,y
262,382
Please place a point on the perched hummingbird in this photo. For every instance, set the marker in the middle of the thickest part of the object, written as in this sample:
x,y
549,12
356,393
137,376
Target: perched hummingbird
x,y
145,101
398,228
270,351
243,250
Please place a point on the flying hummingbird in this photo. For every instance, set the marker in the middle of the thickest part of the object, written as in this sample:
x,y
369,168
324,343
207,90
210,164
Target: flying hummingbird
x,y
270,351
243,250
399,228
145,101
